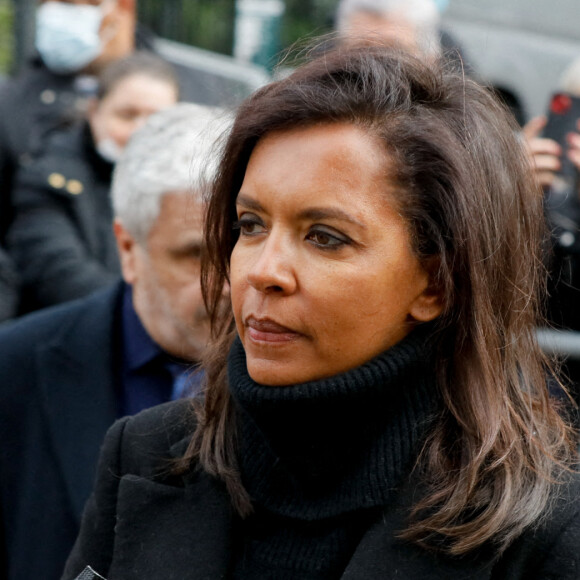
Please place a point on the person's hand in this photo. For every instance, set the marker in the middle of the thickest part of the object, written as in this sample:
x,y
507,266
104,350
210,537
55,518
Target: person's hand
x,y
573,140
545,153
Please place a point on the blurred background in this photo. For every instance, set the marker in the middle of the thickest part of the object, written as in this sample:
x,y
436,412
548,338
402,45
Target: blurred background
x,y
207,24
519,47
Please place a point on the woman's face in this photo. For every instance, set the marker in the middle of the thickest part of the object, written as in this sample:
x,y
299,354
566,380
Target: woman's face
x,y
126,107
323,277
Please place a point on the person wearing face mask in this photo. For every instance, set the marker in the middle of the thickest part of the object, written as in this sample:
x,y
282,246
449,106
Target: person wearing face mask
x,y
61,238
70,37
75,40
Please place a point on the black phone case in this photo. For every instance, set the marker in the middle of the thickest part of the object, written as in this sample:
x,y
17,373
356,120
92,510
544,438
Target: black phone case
x,y
562,199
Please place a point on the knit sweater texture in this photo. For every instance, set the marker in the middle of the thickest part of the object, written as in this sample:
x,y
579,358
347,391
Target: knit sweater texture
x,y
321,459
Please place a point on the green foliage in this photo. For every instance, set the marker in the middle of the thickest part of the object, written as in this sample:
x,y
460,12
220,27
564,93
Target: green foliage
x,y
204,23
305,19
207,24
6,35
210,24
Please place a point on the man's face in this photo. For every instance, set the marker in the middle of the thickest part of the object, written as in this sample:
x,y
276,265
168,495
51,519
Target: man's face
x,y
165,276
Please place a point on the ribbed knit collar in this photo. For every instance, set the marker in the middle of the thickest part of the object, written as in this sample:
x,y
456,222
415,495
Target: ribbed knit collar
x,y
327,447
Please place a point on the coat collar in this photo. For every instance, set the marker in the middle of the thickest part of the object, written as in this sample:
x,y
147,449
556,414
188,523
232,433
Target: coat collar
x,y
188,532
169,531
378,556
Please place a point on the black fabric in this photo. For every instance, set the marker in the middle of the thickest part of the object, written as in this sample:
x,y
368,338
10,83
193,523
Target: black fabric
x,y
315,486
61,239
143,522
563,309
30,105
9,287
57,400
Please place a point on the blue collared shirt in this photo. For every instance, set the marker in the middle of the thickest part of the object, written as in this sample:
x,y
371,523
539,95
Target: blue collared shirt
x,y
149,376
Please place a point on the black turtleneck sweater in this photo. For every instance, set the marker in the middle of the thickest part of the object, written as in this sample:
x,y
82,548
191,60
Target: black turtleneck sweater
x,y
320,459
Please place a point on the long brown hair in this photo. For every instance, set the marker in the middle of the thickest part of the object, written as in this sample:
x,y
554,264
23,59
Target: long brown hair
x,y
467,192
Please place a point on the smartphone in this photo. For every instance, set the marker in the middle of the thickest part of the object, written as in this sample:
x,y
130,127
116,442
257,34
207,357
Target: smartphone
x,y
563,197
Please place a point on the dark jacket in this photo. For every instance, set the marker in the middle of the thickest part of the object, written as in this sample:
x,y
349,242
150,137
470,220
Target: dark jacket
x,y
33,104
57,399
9,287
142,522
30,105
61,239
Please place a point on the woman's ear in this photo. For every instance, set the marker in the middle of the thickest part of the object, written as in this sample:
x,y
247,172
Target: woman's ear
x,y
429,304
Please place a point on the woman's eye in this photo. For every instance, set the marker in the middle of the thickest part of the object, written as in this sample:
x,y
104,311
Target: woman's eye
x,y
249,226
325,239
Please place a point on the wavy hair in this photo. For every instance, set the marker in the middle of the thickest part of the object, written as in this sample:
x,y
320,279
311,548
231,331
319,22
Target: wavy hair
x,y
467,191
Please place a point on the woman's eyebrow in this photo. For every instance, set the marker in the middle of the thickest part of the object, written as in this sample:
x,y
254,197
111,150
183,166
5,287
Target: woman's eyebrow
x,y
310,213
317,213
248,202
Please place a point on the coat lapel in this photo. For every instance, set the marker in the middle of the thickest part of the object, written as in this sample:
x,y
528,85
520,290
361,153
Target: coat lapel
x,y
164,531
76,380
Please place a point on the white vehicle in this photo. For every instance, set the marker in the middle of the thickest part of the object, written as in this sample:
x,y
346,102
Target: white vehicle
x,y
519,47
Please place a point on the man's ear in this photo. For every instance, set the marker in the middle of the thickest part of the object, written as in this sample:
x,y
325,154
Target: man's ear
x,y
128,249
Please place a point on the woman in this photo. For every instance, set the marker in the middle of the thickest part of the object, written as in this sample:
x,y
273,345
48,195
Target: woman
x,y
61,237
375,403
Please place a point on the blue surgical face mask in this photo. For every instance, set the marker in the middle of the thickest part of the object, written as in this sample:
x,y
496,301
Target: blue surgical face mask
x,y
67,35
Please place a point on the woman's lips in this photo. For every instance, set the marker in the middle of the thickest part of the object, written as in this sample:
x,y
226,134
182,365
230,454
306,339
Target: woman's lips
x,y
266,330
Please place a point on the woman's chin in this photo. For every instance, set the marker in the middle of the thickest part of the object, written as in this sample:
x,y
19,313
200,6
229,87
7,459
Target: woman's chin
x,y
275,373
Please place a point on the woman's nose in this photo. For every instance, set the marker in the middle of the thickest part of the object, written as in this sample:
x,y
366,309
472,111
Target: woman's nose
x,y
273,268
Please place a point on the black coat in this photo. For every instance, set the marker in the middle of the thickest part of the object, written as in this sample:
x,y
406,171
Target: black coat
x,y
57,399
142,522
61,239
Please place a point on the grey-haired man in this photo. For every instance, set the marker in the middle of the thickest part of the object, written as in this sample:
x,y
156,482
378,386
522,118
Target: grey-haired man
x,y
68,372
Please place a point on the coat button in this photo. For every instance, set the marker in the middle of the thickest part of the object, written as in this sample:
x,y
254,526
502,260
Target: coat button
x,y
74,186
48,97
56,180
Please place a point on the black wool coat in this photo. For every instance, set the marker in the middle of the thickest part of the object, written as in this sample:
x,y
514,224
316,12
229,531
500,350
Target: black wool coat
x,y
144,523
